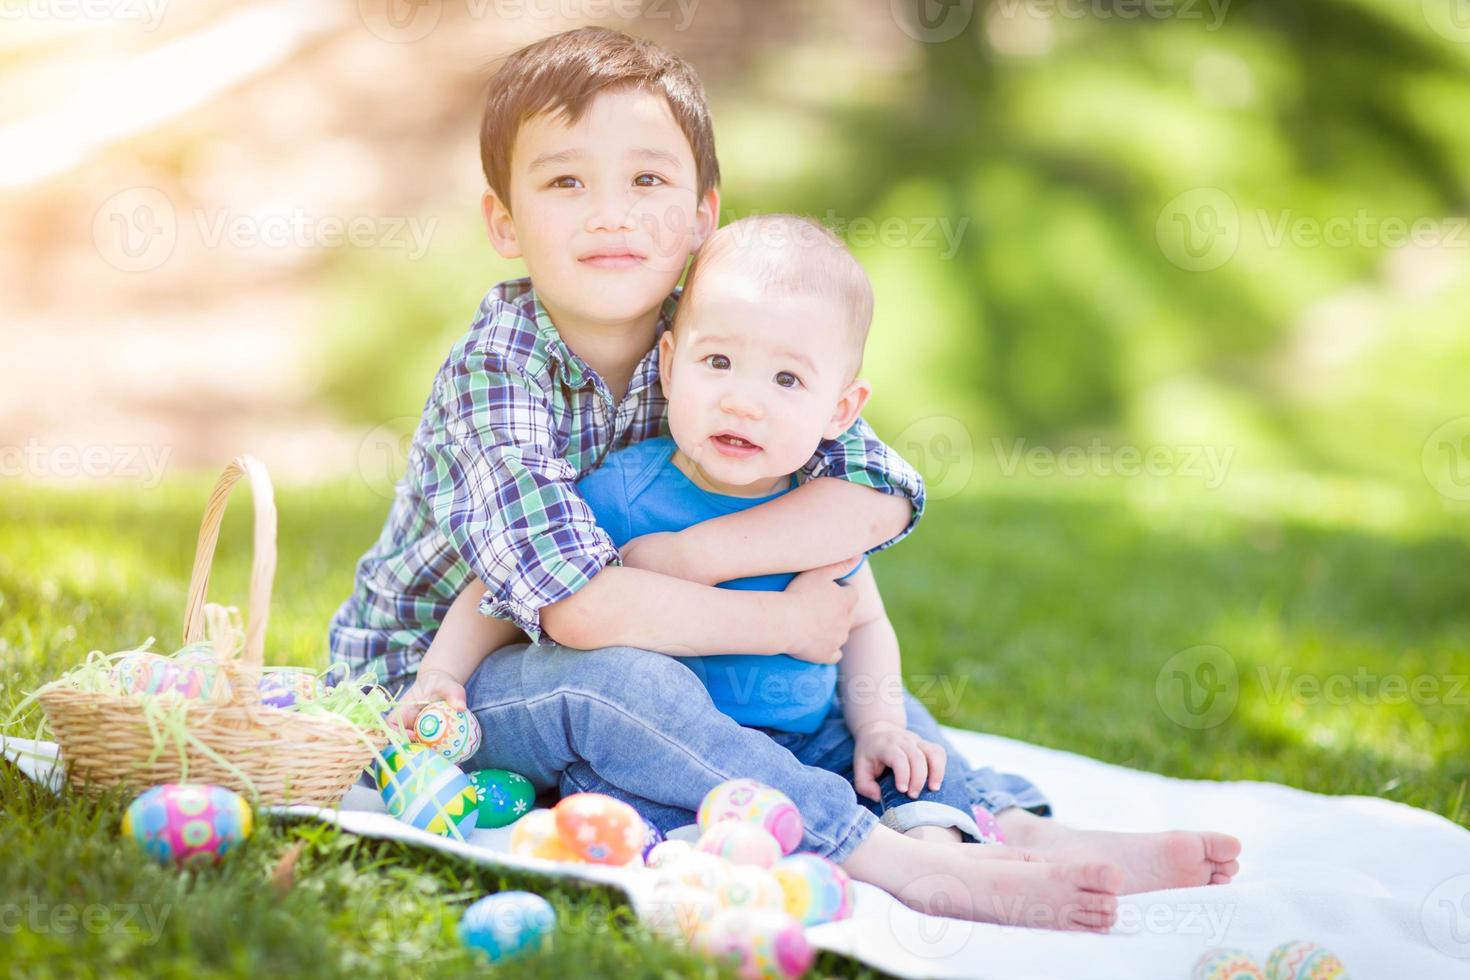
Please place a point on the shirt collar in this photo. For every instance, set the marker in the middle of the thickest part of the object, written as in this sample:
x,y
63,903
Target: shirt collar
x,y
575,372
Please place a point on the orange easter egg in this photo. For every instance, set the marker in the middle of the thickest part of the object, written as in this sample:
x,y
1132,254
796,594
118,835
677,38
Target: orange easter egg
x,y
600,829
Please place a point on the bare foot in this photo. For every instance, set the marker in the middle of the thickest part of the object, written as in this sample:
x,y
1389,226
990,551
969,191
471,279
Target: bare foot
x,y
1150,862
967,882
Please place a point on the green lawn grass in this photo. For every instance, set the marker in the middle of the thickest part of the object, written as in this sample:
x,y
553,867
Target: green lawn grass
x,y
1044,610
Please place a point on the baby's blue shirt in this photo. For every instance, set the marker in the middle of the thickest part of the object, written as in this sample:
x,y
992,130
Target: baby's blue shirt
x,y
638,491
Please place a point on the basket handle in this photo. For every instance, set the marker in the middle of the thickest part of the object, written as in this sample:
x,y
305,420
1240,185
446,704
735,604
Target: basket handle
x,y
263,561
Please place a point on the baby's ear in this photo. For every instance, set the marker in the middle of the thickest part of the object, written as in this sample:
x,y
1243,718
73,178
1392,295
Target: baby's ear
x,y
665,358
499,225
849,406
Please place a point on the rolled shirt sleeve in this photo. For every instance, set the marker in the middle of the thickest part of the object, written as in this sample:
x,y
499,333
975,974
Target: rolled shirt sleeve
x,y
501,492
859,456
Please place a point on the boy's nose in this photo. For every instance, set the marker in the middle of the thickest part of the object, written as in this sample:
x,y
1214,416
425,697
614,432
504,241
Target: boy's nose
x,y
610,212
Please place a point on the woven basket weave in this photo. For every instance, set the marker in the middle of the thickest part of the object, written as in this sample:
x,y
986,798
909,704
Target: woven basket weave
x,y
284,756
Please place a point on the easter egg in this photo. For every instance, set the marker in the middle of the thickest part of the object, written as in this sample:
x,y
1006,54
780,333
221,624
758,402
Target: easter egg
x,y
1301,960
504,797
188,823
652,837
751,887
666,853
426,790
678,911
508,925
453,733
816,890
755,803
600,829
535,835
697,869
740,843
289,686
1226,964
149,673
764,944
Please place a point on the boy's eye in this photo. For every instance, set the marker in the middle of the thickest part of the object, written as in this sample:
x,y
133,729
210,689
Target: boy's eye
x,y
787,380
648,180
718,361
565,181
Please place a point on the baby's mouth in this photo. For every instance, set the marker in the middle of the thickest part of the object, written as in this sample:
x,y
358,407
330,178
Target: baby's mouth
x,y
733,445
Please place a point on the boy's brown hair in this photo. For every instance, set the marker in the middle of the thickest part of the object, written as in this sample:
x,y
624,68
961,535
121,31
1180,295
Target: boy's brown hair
x,y
565,72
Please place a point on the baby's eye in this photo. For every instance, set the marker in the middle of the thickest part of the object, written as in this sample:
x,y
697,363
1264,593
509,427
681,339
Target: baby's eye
x,y
787,380
648,180
565,181
718,361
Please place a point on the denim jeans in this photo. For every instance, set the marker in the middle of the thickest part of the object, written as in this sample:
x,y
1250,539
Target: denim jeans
x,y
639,726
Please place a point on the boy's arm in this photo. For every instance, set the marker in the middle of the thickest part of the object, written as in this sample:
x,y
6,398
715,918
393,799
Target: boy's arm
x,y
507,503
859,496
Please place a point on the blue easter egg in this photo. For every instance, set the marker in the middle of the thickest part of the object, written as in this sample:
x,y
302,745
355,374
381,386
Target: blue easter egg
x,y
504,797
508,924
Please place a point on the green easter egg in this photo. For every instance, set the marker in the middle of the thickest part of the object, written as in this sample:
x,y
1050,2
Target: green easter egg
x,y
504,796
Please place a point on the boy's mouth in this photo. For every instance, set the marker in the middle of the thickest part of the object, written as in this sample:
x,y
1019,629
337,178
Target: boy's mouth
x,y
731,444
616,257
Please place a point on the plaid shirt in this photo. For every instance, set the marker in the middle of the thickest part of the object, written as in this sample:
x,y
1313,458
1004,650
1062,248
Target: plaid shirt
x,y
513,420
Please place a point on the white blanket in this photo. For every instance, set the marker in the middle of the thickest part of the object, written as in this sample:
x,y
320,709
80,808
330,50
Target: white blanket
x,y
1385,886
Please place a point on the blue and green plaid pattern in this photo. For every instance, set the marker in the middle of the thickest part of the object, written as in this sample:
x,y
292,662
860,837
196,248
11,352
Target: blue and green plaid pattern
x,y
513,420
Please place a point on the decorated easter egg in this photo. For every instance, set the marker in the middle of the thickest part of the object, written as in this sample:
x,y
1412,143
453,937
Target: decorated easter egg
x,y
667,853
188,823
1226,964
535,835
755,803
816,890
426,790
504,797
740,843
751,887
652,837
697,869
286,687
508,925
678,911
149,673
1301,960
763,943
600,829
453,733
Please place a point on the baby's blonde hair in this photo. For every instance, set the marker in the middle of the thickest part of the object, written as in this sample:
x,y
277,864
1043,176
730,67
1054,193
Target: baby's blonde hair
x,y
788,255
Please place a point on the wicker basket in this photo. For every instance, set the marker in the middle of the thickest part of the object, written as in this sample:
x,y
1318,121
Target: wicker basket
x,y
285,756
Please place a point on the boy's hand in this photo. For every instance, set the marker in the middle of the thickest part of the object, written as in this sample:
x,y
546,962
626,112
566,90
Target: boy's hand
x,y
824,613
431,685
883,745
